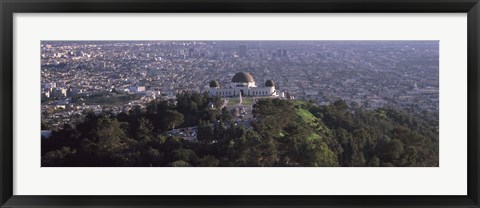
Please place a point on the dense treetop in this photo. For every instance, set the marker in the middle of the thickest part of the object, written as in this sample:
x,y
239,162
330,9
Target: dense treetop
x,y
284,133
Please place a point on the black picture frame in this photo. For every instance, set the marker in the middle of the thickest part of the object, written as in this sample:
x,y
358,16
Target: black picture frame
x,y
9,7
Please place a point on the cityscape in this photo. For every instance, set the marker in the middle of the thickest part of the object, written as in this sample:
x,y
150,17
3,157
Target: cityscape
x,y
239,78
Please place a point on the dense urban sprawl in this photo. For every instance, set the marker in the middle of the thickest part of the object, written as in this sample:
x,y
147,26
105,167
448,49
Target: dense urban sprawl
x,y
116,76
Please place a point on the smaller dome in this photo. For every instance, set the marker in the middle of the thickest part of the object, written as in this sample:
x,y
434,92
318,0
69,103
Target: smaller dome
x,y
269,83
214,84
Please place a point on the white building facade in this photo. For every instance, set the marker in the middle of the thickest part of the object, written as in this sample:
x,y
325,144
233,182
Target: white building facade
x,y
244,84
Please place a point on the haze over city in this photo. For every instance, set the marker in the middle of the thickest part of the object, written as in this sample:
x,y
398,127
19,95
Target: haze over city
x,y
401,74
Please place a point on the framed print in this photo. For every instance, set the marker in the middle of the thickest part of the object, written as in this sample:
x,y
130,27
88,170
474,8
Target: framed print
x,y
227,103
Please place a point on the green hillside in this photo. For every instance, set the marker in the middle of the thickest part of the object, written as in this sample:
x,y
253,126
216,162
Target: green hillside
x,y
284,133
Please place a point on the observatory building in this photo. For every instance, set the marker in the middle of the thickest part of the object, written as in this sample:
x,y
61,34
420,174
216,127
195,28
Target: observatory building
x,y
243,84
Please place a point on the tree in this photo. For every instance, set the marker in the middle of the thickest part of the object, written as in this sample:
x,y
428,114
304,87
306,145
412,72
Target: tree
x,y
193,106
208,161
374,162
226,116
45,126
217,102
186,155
358,160
389,150
341,105
317,154
145,129
205,132
180,163
109,136
153,157
58,157
172,118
